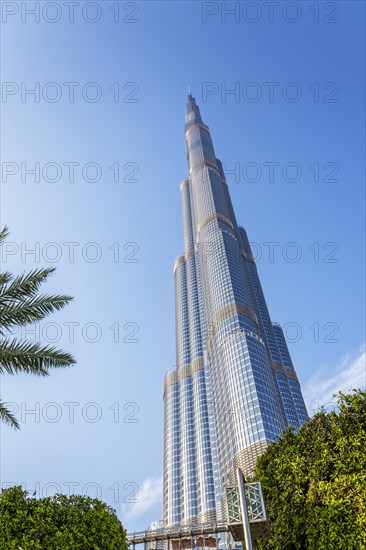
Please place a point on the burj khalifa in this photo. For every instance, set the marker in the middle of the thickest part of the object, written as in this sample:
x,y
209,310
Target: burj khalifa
x,y
234,389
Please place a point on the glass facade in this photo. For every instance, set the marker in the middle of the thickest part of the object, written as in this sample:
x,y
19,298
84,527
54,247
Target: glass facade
x,y
234,388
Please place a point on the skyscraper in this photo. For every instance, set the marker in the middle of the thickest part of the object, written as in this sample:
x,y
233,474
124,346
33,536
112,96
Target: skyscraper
x,y
234,388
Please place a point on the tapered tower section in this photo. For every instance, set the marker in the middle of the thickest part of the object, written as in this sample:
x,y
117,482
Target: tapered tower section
x,y
234,389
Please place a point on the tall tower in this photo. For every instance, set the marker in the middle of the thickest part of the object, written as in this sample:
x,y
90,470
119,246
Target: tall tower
x,y
234,389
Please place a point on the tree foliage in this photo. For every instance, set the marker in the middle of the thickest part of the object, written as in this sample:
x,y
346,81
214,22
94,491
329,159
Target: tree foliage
x,y
58,523
21,304
314,481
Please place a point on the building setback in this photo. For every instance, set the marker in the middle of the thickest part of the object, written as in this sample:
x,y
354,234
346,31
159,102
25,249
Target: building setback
x,y
234,389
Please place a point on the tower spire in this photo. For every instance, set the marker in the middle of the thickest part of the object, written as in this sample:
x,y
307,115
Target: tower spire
x,y
193,110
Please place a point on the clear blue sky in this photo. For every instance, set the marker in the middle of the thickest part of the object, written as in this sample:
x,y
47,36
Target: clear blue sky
x,y
170,46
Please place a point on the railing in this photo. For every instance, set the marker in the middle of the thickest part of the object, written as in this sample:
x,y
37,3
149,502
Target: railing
x,y
176,532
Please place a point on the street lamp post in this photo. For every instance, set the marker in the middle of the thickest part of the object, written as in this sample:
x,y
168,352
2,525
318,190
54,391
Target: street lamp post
x,y
244,509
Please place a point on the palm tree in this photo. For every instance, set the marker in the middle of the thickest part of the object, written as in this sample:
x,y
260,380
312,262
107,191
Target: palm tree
x,y
20,304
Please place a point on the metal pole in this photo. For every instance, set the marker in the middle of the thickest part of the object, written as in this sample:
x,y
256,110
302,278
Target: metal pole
x,y
244,510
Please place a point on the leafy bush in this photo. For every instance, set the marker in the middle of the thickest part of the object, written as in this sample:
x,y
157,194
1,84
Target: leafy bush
x,y
314,481
58,523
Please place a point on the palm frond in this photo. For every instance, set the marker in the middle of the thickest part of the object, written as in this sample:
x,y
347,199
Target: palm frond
x,y
4,232
31,357
5,278
30,310
21,305
7,417
23,286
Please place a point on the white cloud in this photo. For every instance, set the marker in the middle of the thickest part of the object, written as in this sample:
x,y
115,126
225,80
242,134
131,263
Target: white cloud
x,y
149,495
350,373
